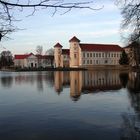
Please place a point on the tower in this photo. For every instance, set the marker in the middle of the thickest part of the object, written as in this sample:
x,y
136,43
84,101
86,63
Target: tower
x,y
57,55
74,52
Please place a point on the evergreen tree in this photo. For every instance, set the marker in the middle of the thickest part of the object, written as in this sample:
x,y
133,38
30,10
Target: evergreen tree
x,y
124,59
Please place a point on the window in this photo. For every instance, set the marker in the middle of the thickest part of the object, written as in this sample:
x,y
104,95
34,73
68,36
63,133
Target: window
x,y
108,54
102,54
99,54
96,61
87,54
93,54
90,61
105,61
96,54
114,55
90,54
87,61
75,55
83,54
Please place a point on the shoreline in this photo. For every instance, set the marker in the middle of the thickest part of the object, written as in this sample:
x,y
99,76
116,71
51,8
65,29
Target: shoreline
x,y
121,68
43,69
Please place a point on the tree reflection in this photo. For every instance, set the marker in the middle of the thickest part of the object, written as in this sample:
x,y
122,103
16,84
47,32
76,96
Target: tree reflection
x,y
7,81
39,79
131,123
130,127
124,79
39,82
134,90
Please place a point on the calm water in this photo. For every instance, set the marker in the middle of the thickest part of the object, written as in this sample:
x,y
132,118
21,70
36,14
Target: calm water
x,y
89,105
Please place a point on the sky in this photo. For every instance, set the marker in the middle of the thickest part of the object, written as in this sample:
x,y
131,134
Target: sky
x,y
90,26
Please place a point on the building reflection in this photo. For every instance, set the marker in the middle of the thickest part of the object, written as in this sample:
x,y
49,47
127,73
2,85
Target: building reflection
x,y
38,79
94,81
134,82
75,84
124,79
58,81
84,82
61,79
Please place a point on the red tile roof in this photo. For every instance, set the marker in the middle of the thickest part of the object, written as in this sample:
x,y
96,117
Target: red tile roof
x,y
23,56
66,51
74,39
100,47
58,45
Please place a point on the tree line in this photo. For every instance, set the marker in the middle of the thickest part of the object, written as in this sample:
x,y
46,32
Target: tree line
x,y
6,59
130,11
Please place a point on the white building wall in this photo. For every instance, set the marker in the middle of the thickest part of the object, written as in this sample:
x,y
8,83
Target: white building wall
x,y
100,58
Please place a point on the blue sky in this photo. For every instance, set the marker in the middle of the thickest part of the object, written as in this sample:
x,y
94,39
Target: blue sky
x,y
101,26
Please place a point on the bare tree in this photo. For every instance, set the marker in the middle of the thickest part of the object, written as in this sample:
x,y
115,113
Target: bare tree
x,y
50,51
39,50
6,59
9,8
130,10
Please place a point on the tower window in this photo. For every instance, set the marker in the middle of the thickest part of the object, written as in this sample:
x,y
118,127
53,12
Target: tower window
x,y
75,56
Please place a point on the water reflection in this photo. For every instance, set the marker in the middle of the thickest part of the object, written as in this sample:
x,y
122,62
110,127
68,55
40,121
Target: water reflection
x,y
101,81
111,106
131,122
6,81
124,79
87,82
79,82
39,79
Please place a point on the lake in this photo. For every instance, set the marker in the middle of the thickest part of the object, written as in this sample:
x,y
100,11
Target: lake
x,y
81,105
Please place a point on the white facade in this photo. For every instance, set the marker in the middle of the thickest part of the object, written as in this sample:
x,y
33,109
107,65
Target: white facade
x,y
84,55
100,58
33,61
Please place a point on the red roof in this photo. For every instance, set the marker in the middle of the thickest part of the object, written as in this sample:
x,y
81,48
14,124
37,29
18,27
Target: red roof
x,y
23,56
74,39
58,45
100,47
66,51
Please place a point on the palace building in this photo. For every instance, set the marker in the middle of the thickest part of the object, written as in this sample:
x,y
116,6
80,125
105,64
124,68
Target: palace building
x,y
33,61
86,55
